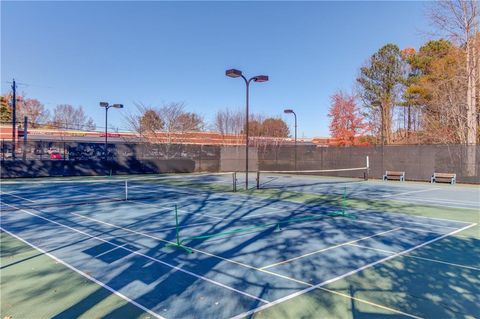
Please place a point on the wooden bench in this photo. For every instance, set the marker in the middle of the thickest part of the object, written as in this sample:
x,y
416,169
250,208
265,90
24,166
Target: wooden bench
x,y
394,175
444,177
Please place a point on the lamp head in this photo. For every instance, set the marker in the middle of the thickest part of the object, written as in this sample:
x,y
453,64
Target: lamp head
x,y
233,73
261,78
118,106
288,111
104,104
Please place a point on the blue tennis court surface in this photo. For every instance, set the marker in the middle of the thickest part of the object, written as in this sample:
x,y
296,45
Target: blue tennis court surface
x,y
244,263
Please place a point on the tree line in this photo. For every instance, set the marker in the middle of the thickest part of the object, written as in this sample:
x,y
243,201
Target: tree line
x,y
148,121
63,116
429,95
173,117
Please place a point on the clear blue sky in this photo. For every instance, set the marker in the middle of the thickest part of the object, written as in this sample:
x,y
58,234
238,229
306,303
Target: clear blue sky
x,y
84,52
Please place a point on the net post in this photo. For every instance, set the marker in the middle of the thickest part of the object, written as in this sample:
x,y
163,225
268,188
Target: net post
x,y
343,211
126,190
278,228
258,179
178,242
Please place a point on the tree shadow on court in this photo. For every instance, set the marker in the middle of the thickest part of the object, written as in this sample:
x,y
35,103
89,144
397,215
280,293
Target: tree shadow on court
x,y
416,286
207,264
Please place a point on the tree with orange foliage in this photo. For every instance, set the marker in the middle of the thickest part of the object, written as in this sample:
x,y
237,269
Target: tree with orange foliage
x,y
346,120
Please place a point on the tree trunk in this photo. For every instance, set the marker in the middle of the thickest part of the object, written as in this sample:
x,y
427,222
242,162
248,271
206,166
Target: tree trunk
x,y
409,121
471,95
472,65
386,122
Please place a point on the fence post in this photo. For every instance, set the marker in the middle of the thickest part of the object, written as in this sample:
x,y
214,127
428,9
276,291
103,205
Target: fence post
x,y
25,124
368,169
200,158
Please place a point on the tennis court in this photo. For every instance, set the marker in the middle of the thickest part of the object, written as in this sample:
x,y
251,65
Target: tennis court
x,y
189,246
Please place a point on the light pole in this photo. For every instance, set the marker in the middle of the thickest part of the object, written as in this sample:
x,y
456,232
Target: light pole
x,y
233,73
14,117
290,111
107,106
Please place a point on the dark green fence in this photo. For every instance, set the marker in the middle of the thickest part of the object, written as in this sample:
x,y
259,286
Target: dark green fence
x,y
418,161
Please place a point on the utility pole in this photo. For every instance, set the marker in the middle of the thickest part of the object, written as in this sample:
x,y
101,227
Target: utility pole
x,y
14,117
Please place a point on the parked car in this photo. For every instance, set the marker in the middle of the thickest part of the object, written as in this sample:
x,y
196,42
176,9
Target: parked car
x,y
55,155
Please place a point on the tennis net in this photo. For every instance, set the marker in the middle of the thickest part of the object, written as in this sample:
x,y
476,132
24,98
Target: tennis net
x,y
305,180
57,193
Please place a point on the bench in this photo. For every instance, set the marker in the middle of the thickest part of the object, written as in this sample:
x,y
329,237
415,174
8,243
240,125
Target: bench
x,y
394,175
444,177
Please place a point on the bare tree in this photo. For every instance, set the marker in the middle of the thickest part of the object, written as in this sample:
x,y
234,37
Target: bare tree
x,y
161,127
66,116
34,111
229,122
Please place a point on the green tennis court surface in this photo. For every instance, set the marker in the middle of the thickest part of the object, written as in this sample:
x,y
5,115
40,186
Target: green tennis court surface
x,y
303,247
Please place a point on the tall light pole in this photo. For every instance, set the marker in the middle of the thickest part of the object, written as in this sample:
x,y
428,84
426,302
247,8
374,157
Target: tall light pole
x,y
290,111
233,73
107,106
14,117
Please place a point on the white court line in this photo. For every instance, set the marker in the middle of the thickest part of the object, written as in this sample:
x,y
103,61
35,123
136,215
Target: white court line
x,y
401,201
407,228
112,290
132,201
181,190
298,293
423,224
263,214
411,192
366,211
328,248
23,198
440,201
369,302
109,251
357,196
139,202
143,255
418,257
231,198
